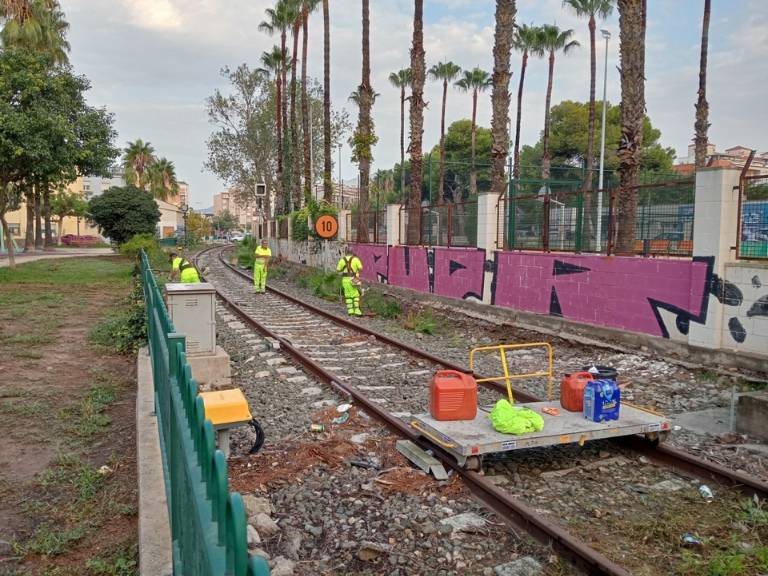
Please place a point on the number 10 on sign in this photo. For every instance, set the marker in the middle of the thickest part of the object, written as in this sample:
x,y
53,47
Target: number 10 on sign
x,y
326,226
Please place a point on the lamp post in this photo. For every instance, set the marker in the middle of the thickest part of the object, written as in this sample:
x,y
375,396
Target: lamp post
x,y
607,35
184,213
341,184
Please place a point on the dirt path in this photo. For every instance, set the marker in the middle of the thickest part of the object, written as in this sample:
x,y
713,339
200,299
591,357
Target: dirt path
x,y
67,465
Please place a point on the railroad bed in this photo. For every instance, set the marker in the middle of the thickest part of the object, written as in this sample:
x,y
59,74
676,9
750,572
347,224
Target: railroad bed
x,y
621,474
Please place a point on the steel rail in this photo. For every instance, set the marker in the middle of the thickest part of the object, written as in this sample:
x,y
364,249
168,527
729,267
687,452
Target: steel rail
x,y
512,510
682,462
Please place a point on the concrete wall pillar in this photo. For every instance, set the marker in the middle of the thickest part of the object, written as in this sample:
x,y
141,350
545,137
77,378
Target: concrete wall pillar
x,y
714,234
290,235
487,224
394,236
343,221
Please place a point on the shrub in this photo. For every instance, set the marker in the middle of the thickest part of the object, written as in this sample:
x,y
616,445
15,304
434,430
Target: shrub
x,y
125,331
139,242
121,213
244,252
381,305
423,322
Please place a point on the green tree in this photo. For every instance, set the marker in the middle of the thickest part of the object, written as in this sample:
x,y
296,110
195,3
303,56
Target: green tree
x,y
138,157
35,25
279,20
475,81
66,204
502,51
632,26
224,222
569,135
590,9
273,64
121,213
553,40
198,226
445,72
402,80
527,39
162,179
458,151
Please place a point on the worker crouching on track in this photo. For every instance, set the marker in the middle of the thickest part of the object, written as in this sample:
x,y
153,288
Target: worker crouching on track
x,y
261,257
183,269
350,267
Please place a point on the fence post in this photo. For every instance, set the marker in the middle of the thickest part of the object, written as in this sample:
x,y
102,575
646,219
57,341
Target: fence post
x,y
611,221
449,223
511,215
545,231
393,224
579,219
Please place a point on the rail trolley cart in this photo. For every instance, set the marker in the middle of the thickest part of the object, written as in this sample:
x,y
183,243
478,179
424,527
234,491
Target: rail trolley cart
x,y
469,440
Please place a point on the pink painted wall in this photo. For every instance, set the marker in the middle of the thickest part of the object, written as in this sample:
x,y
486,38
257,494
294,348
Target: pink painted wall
x,y
617,292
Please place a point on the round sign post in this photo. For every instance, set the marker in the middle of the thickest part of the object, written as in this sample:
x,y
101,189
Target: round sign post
x,y
326,226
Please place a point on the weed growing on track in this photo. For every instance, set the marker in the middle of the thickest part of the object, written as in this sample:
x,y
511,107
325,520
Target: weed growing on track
x,y
326,285
424,322
381,305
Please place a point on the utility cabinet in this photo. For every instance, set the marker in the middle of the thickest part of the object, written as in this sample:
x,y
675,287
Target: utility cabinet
x,y
192,308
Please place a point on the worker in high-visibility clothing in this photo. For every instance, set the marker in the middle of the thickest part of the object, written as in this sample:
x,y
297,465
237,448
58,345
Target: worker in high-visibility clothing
x,y
261,257
350,268
183,269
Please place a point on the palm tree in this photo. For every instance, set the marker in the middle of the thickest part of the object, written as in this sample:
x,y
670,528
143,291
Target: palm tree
x,y
702,106
502,51
294,7
632,25
418,74
527,40
279,20
475,81
327,162
401,79
553,40
364,138
162,179
357,94
273,63
444,72
590,9
35,25
307,7
137,158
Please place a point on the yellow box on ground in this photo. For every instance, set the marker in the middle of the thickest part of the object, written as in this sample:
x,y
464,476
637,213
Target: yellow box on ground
x,y
226,407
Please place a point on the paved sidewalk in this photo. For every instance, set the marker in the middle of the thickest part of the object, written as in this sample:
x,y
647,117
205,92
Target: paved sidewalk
x,y
23,258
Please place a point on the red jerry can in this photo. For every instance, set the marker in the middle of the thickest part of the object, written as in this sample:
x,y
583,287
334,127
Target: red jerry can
x,y
572,391
453,396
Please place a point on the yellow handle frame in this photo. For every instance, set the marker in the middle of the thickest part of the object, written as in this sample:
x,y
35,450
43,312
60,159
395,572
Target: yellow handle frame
x,y
507,377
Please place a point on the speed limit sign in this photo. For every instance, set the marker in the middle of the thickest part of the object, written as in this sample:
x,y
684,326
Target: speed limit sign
x,y
326,226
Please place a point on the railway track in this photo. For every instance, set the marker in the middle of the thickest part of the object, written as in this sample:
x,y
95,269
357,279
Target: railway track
x,y
349,357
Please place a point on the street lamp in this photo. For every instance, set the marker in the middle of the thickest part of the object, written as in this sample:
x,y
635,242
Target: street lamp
x,y
607,35
341,183
184,213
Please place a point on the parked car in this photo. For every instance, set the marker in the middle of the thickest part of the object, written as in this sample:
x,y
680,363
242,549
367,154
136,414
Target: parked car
x,y
238,237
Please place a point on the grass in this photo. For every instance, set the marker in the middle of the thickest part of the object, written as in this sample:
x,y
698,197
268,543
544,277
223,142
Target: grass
x,y
124,331
121,561
424,322
381,305
77,477
326,285
24,408
69,272
48,540
87,418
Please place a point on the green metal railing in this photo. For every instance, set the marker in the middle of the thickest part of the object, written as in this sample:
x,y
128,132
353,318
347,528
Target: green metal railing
x,y
208,523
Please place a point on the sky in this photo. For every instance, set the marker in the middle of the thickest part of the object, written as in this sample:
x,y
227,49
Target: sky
x,y
153,63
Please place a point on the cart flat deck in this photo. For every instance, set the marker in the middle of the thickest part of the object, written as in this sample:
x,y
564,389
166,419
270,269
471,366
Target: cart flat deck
x,y
466,438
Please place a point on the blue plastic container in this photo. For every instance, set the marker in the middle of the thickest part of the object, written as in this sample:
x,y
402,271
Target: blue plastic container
x,y
602,400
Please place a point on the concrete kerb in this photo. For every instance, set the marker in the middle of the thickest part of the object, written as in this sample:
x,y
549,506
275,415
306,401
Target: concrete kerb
x,y
155,546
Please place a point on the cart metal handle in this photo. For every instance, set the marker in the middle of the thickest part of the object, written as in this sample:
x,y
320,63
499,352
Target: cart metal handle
x,y
415,424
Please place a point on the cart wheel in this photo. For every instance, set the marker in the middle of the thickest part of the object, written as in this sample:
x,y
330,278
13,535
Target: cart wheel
x,y
474,464
656,438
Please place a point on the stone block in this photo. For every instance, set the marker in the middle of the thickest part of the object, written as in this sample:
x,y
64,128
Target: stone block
x,y
752,415
212,370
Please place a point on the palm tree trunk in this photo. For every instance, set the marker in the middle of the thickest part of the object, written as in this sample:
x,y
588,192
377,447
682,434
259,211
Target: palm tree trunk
x,y
29,235
632,25
402,144
418,72
327,163
440,196
364,129
519,113
305,127
48,244
8,241
279,121
294,148
587,184
545,160
502,51
38,219
286,157
702,106
472,172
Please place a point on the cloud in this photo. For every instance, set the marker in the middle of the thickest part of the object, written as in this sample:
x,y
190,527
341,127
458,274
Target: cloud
x,y
161,15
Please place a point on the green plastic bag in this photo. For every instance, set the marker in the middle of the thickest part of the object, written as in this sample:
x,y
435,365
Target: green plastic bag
x,y
509,419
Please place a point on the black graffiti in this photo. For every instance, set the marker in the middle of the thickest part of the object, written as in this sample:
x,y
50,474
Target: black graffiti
x,y
454,266
727,293
759,308
554,304
561,268
738,332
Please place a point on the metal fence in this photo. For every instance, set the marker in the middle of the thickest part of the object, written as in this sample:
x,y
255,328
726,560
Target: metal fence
x,y
752,240
376,221
282,228
554,215
449,224
208,523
